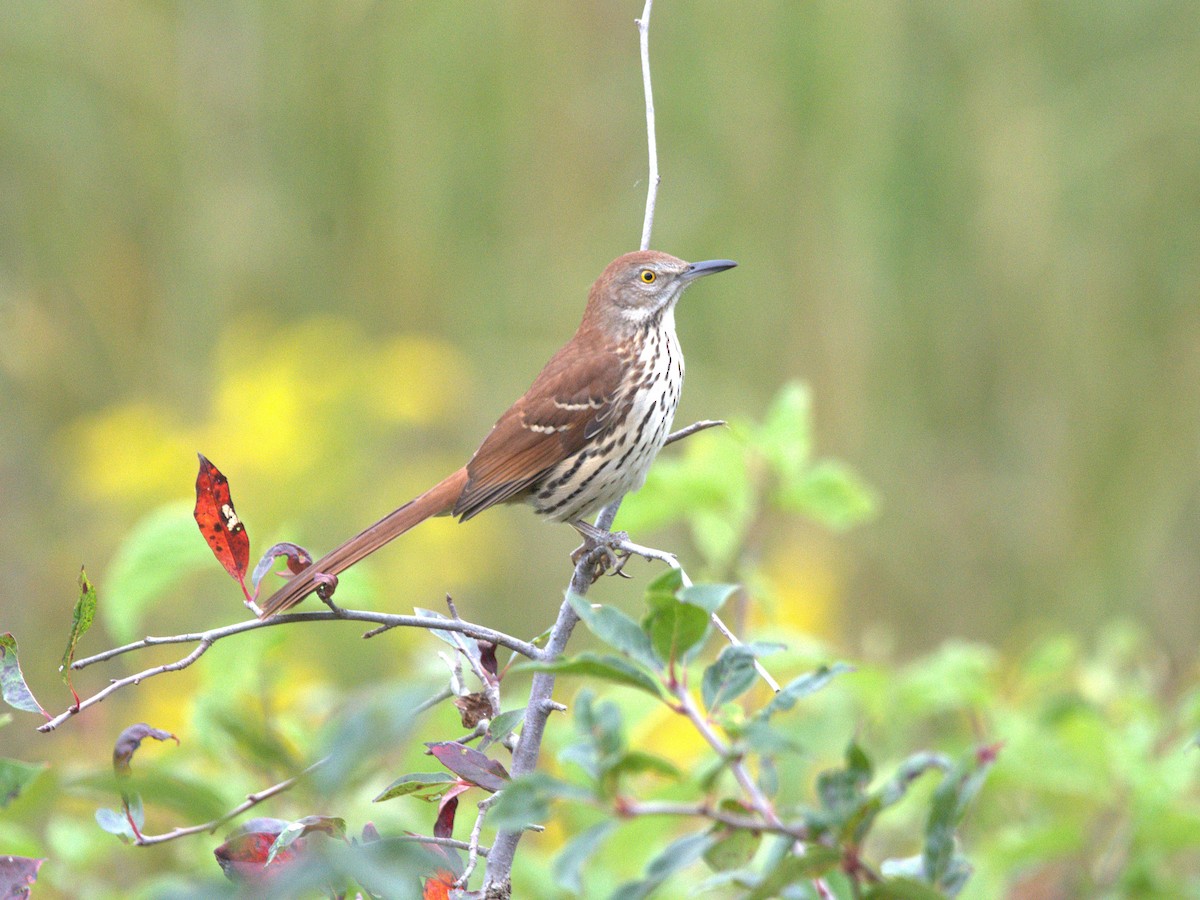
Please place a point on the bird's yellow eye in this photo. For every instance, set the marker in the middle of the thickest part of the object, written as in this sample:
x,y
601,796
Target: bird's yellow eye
x,y
648,276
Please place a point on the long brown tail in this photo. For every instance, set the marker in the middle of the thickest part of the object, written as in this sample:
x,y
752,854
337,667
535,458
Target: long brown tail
x,y
438,500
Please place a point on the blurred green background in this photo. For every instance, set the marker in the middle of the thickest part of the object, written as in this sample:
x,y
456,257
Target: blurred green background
x,y
326,244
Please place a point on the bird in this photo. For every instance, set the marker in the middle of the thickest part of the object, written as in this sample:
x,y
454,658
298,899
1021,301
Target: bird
x,y
582,436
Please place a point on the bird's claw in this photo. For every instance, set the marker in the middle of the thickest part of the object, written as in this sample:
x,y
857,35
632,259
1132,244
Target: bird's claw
x,y
602,549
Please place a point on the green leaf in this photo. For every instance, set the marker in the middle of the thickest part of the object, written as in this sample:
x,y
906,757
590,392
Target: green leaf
x,y
816,861
718,535
636,762
15,776
907,772
949,803
732,848
526,800
114,822
801,687
81,621
667,584
330,825
568,866
617,630
158,553
609,668
904,889
677,855
501,726
785,436
675,628
830,493
709,597
12,682
844,802
429,785
729,677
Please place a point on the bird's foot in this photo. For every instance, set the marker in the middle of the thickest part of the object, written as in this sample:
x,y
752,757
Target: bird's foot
x,y
605,551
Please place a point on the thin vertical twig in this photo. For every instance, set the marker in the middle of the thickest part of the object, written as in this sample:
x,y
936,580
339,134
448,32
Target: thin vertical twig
x,y
643,25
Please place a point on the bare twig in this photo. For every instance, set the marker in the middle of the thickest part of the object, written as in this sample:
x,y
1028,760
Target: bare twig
x,y
633,809
250,801
205,639
643,26
627,546
473,843
438,842
119,683
692,429
266,793
753,792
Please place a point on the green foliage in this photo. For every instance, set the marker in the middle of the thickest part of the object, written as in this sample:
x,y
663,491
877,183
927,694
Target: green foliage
x,y
962,773
157,554
720,487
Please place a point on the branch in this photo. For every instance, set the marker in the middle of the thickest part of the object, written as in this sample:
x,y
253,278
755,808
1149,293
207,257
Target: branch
x,y
473,844
753,792
692,429
643,26
206,639
629,809
266,793
628,547
250,801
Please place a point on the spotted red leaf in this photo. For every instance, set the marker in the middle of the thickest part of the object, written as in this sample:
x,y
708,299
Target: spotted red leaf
x,y
219,522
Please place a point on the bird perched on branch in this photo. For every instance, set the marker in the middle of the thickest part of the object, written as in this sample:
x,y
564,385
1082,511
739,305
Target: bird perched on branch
x,y
582,436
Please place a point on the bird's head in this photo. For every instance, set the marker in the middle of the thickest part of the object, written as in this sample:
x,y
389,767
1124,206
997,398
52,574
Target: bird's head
x,y
639,287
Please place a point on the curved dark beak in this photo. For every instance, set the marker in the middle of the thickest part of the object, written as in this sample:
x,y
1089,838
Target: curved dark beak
x,y
708,267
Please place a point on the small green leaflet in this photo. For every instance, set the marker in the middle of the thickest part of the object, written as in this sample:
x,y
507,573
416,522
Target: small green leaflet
x,y
85,611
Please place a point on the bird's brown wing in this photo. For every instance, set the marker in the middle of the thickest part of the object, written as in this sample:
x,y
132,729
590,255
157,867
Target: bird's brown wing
x,y
572,401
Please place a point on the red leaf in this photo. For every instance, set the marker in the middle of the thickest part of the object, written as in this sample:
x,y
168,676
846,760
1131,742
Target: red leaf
x,y
471,765
444,826
298,559
219,523
17,873
243,856
128,742
437,887
487,657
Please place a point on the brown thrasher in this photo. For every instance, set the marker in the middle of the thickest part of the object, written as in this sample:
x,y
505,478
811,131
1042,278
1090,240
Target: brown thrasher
x,y
585,432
